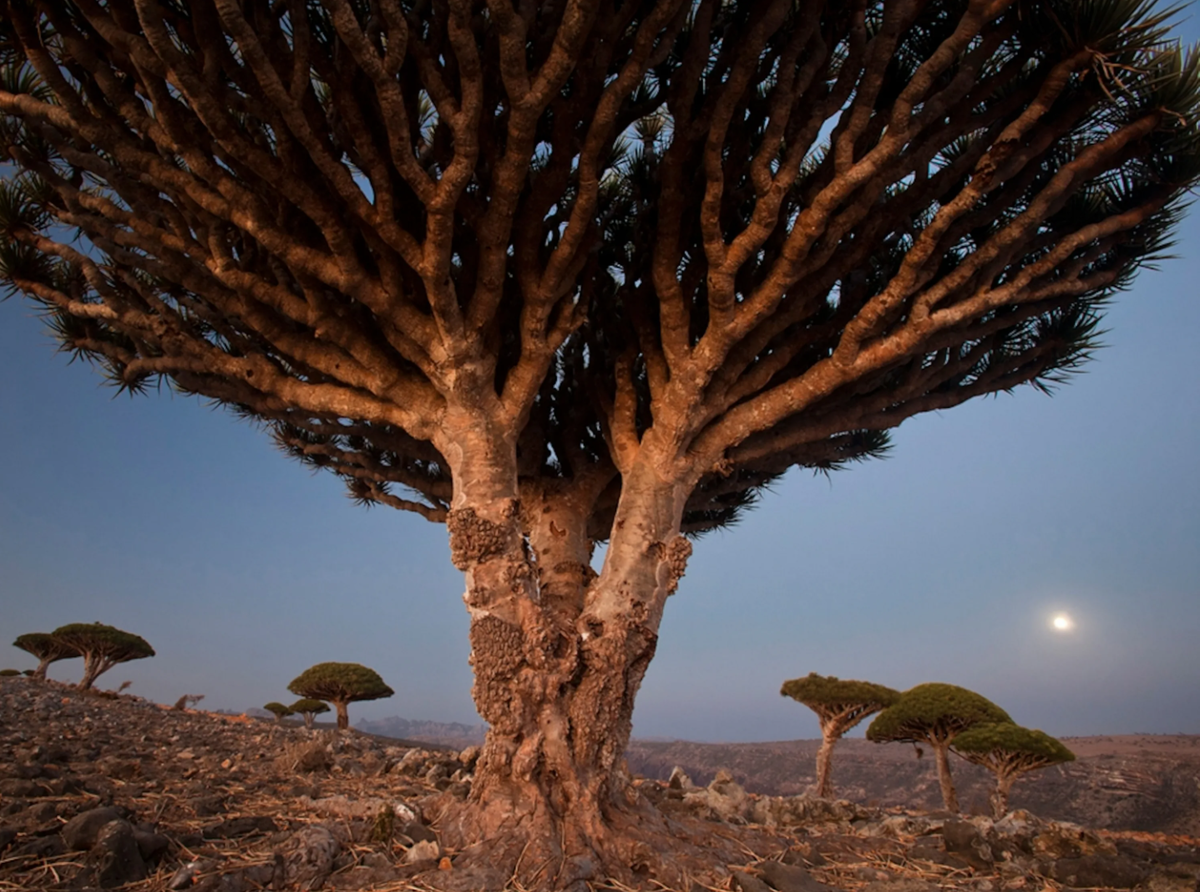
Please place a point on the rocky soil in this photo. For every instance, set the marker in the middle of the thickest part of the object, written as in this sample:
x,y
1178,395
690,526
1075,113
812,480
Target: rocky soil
x,y
1142,782
102,792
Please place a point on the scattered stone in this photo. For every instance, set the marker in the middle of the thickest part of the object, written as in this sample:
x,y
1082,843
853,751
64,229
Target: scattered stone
x,y
964,839
1097,870
81,832
116,858
679,780
242,826
308,856
905,884
425,850
791,878
748,883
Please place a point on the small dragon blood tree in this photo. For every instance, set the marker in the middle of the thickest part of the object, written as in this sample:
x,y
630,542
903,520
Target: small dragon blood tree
x,y
1008,751
935,714
46,648
340,684
309,709
101,647
839,705
278,710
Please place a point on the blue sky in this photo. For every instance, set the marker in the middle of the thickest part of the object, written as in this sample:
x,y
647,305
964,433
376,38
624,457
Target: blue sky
x,y
944,562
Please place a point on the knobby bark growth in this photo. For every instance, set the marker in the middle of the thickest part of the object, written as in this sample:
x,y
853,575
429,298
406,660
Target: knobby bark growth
x,y
556,273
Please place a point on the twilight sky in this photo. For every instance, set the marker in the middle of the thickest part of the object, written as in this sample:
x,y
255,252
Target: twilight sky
x,y
944,562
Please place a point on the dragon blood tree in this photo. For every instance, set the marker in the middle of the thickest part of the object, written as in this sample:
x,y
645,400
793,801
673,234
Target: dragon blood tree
x,y
1008,751
557,273
308,709
840,705
340,684
278,710
46,648
935,714
101,647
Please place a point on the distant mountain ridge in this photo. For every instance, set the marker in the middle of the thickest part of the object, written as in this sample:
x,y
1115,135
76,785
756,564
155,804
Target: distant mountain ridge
x,y
444,733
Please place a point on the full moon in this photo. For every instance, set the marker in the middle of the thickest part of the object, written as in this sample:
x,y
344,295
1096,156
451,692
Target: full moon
x,y
1062,622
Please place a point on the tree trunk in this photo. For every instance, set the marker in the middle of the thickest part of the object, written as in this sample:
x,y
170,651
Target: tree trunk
x,y
949,796
824,760
93,666
308,720
559,654
40,672
1004,782
343,718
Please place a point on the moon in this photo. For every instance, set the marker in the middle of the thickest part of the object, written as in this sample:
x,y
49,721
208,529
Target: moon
x,y
1062,623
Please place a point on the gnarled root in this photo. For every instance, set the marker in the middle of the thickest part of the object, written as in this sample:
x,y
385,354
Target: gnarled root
x,y
499,844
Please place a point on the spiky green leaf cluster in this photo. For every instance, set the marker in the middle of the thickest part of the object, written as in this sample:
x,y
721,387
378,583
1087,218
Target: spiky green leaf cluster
x,y
115,645
931,712
827,690
1005,739
45,646
307,705
278,709
340,683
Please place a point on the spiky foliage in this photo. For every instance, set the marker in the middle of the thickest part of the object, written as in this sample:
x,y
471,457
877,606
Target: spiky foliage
x,y
309,709
1008,751
840,705
101,647
278,710
935,714
677,214
340,684
46,648
9,673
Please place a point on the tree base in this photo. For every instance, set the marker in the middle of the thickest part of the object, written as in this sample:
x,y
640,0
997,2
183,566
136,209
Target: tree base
x,y
637,846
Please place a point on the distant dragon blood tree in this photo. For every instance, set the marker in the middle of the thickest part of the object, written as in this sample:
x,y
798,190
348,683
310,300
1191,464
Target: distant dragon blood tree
x,y
340,684
1008,751
308,709
935,714
840,704
46,648
278,710
556,273
101,647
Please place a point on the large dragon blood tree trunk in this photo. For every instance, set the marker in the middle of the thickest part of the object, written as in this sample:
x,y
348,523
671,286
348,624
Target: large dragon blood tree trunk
x,y
558,654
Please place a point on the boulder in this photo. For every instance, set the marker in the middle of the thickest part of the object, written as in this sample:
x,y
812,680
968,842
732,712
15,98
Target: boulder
x,y
1090,871
115,858
964,839
80,833
308,856
791,878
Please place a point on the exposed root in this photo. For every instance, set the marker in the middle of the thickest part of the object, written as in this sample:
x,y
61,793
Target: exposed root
x,y
635,847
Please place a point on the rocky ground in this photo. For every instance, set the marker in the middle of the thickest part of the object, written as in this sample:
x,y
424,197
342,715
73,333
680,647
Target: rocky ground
x,y
115,792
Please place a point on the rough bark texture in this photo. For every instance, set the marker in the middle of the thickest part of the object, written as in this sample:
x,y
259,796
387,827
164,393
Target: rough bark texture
x,y
343,717
999,797
824,758
941,752
559,653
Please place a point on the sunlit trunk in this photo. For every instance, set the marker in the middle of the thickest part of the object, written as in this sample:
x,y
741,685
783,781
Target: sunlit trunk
x,y
558,655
